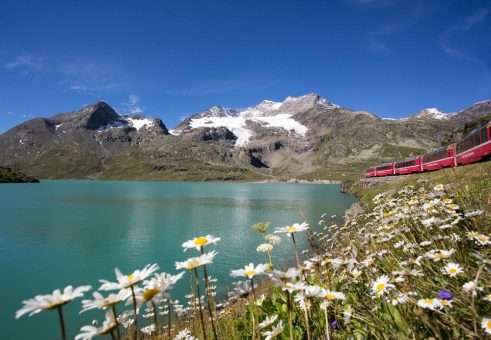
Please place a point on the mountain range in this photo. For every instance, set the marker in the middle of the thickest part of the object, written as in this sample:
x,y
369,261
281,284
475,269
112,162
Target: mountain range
x,y
301,137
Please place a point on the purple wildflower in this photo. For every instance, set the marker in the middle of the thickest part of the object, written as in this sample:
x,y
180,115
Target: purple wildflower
x,y
334,324
445,294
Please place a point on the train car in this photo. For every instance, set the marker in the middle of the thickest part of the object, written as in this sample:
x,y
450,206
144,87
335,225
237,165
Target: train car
x,y
439,158
408,166
370,173
386,169
475,146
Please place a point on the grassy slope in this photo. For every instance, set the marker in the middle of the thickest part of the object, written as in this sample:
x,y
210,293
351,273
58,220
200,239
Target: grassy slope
x,y
372,318
474,179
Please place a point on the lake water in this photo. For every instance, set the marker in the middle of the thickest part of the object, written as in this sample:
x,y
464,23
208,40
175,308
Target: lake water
x,y
58,233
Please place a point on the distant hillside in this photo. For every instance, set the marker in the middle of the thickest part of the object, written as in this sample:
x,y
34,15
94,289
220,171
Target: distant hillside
x,y
303,137
8,176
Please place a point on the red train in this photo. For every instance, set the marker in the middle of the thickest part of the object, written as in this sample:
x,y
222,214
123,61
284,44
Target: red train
x,y
474,147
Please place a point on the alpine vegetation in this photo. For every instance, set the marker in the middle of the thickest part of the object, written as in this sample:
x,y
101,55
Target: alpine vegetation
x,y
414,264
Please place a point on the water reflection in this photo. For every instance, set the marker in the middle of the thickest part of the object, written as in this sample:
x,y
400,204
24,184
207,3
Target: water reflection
x,y
76,232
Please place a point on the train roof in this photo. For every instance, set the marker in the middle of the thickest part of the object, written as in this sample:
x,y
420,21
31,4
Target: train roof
x,y
407,159
438,149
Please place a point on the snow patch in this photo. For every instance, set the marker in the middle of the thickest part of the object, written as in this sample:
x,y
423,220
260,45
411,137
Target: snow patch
x,y
136,122
433,113
238,124
175,132
139,123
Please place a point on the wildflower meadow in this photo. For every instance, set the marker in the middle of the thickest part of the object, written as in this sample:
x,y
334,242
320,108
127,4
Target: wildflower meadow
x,y
415,263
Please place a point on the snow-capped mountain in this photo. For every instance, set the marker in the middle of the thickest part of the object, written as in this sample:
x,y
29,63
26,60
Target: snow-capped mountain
x,y
267,114
432,113
471,113
306,135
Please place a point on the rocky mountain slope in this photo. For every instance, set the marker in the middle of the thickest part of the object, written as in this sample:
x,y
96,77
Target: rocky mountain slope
x,y
310,136
96,142
304,137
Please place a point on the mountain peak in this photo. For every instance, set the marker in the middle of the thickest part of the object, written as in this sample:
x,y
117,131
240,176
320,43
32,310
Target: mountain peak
x,y
431,113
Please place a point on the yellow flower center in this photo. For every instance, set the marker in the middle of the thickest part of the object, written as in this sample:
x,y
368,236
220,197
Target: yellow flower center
x,y
452,270
488,325
445,302
56,304
130,277
149,294
473,235
482,238
380,287
438,256
330,296
291,229
250,273
429,301
200,241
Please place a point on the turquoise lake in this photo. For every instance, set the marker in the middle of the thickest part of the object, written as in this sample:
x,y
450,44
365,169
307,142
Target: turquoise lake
x,y
58,233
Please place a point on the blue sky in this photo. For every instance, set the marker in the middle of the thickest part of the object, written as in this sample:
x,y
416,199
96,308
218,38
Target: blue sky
x,y
169,59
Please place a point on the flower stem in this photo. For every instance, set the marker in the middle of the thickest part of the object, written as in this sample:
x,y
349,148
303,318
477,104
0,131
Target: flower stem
x,y
207,287
170,306
62,322
134,311
113,307
270,260
253,290
155,317
328,333
296,251
199,303
289,305
307,323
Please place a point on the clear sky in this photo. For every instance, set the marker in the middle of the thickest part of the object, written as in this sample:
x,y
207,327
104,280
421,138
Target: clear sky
x,y
169,59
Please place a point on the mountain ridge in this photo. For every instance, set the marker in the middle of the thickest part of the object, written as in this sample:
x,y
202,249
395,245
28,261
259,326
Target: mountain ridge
x,y
300,137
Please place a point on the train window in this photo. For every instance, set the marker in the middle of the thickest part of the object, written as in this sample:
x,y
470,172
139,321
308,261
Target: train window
x,y
484,134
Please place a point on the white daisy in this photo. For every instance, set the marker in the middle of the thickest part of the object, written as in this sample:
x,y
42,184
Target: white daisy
x,y
486,325
249,271
101,302
329,295
185,334
471,287
88,332
51,301
294,228
452,269
430,303
127,281
439,187
163,282
268,321
199,242
274,332
381,285
196,262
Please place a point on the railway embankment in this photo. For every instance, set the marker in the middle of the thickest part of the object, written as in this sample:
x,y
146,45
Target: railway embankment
x,y
459,180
